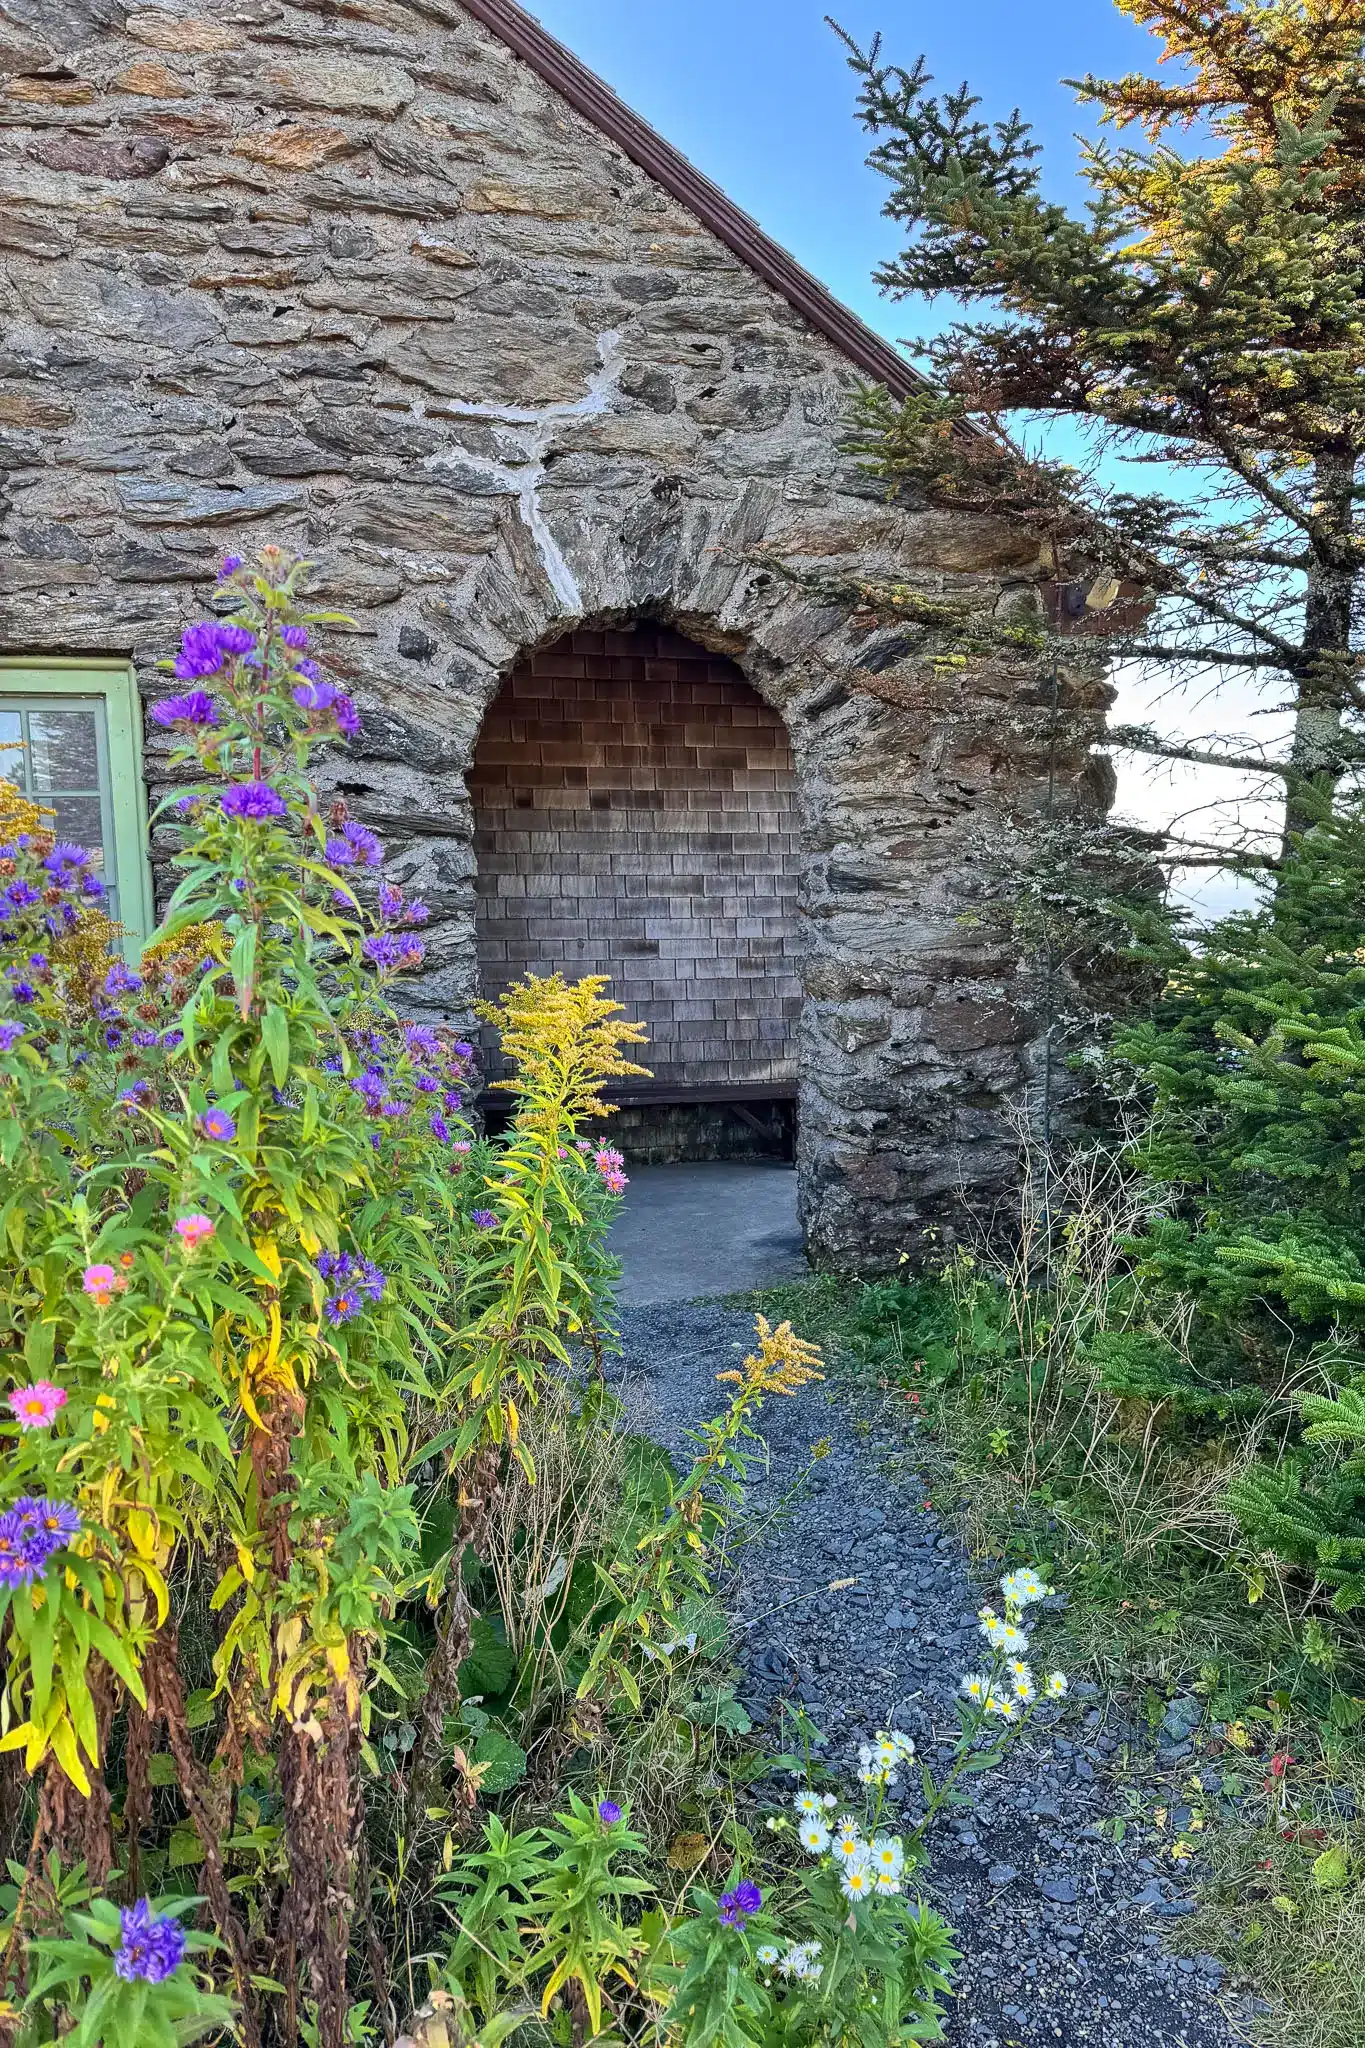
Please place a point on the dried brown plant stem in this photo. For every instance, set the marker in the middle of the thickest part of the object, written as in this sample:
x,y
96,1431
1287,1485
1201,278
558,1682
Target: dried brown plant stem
x,y
203,1799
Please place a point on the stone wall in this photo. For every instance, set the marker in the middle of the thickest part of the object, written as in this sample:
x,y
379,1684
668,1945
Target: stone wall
x,y
635,815
353,278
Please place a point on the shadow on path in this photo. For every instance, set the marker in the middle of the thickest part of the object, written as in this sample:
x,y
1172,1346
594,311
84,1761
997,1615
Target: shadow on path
x,y
714,1228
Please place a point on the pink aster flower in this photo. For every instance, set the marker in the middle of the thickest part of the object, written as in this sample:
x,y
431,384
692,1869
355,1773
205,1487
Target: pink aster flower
x,y
194,1231
36,1406
102,1283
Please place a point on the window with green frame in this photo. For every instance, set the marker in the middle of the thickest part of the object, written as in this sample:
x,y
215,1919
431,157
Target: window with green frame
x,y
71,738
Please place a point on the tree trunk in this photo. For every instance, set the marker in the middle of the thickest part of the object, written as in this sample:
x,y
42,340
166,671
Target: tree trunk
x,y
1316,753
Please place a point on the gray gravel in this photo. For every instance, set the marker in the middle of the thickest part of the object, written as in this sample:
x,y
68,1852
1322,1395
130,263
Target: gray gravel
x,y
1061,1931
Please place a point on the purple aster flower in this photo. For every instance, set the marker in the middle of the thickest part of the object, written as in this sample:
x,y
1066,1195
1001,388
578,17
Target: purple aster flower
x,y
393,1109
23,992
485,1219
426,1084
451,1101
92,887
332,1065
439,1127
153,1945
218,1125
121,981
113,1037
315,696
739,1905
187,806
294,636
608,1812
418,912
22,894
171,1039
341,1307
462,1051
145,1039
10,1034
347,717
231,564
17,1568
390,901
43,1528
419,1038
411,952
194,707
38,962
66,861
309,669
355,843
384,951
201,652
254,800
205,647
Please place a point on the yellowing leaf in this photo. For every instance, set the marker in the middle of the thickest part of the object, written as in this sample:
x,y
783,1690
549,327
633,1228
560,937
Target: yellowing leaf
x,y
1332,1868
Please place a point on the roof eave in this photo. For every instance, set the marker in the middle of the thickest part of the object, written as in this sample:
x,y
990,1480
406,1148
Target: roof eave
x,y
587,93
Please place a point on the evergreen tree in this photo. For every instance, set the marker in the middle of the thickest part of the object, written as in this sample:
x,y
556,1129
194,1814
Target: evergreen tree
x,y
1254,1056
1205,310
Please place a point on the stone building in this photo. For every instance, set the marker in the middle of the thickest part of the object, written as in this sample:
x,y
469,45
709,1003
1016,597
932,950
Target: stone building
x,y
400,284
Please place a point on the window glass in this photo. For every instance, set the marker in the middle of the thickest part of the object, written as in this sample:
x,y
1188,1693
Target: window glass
x,y
62,762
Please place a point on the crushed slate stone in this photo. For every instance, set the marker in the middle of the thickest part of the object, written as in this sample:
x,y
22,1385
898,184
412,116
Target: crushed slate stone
x,y
1061,1931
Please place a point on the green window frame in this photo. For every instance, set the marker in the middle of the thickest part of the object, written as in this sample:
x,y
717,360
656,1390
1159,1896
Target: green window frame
x,y
31,684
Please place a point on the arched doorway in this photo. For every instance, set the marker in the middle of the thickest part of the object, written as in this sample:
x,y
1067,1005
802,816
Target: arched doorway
x,y
635,815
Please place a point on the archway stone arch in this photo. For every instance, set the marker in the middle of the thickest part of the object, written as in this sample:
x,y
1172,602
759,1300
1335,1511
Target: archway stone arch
x,y
915,1032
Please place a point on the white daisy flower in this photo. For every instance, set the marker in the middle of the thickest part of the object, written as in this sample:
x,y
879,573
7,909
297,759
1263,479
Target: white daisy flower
x,y
999,1703
888,1857
1024,1587
1025,1691
1005,1635
829,1802
976,1687
858,1881
847,1842
905,1747
767,1954
814,1836
807,1801
885,1884
1055,1685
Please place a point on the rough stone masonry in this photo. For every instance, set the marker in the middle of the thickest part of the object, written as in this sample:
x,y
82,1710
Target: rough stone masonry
x,y
353,276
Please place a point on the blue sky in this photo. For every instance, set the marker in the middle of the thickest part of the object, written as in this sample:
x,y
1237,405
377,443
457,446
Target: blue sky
x,y
757,94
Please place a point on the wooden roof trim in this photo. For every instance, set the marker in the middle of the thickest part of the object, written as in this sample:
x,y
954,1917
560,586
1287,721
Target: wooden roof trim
x,y
587,93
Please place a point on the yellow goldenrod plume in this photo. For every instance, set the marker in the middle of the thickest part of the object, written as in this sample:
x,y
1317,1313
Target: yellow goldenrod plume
x,y
782,1364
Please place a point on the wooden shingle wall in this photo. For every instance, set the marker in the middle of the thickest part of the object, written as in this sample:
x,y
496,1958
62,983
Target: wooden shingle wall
x,y
636,816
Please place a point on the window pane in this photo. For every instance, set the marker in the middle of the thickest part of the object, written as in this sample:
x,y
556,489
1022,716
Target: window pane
x,y
80,818
65,749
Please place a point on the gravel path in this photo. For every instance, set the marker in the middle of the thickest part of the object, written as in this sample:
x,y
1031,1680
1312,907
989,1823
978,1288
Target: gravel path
x,y
1061,1931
